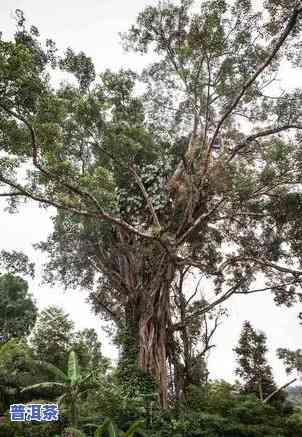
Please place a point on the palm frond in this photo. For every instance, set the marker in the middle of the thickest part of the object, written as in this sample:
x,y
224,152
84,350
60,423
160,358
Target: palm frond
x,y
42,385
133,428
106,426
54,370
61,398
75,431
87,377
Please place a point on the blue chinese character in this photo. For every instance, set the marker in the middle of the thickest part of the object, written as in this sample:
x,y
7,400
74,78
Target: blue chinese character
x,y
17,413
33,412
50,412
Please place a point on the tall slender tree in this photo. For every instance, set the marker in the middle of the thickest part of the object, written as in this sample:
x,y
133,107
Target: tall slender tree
x,y
52,336
253,367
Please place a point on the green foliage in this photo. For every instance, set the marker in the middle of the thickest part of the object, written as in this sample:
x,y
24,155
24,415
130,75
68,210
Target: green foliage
x,y
81,66
18,311
219,411
72,386
253,368
134,381
54,336
51,337
74,432
15,371
73,368
16,263
88,349
291,359
109,427
32,429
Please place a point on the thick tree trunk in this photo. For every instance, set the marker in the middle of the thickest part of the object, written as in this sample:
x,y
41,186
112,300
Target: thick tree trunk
x,y
154,324
143,277
128,339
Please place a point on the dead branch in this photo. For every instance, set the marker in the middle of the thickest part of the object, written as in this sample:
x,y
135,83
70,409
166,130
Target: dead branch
x,y
279,389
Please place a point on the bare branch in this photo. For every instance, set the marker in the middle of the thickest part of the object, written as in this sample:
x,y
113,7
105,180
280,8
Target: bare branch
x,y
73,208
209,334
208,101
259,290
11,194
210,306
263,263
279,389
286,32
198,221
195,291
60,205
263,133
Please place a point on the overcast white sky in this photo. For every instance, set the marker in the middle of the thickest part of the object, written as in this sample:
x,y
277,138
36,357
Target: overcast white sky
x,y
93,26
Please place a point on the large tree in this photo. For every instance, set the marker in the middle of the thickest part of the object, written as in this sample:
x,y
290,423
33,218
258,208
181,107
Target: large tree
x,y
200,172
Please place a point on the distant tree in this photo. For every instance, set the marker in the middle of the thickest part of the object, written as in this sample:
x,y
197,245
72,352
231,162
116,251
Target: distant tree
x,y
253,367
293,363
18,311
292,359
52,336
294,394
88,349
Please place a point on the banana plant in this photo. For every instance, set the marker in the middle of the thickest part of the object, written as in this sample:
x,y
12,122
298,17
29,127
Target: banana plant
x,y
72,385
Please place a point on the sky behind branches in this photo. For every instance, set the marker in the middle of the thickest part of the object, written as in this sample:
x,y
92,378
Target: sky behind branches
x,y
93,26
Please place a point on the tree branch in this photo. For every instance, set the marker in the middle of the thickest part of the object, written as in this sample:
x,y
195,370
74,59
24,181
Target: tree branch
x,y
99,213
210,306
69,207
145,194
198,221
259,290
263,133
35,150
278,390
290,25
262,263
